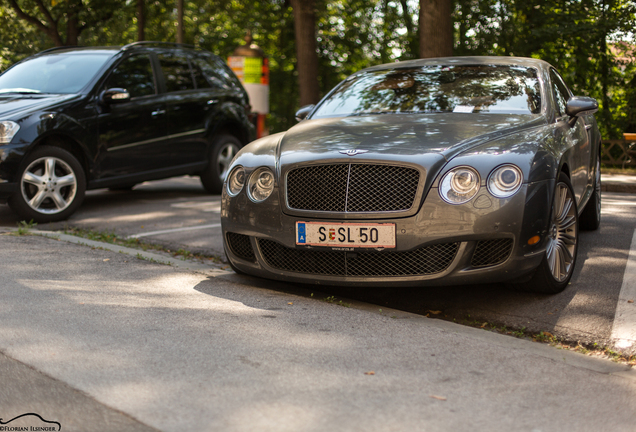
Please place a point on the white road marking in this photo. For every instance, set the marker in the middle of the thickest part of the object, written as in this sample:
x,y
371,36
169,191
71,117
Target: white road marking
x,y
624,328
168,231
205,206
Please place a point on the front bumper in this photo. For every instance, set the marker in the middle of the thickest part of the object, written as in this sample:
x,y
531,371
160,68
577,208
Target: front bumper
x,y
482,241
10,158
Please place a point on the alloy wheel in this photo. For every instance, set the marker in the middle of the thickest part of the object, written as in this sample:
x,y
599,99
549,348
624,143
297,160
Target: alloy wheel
x,y
226,154
48,185
562,237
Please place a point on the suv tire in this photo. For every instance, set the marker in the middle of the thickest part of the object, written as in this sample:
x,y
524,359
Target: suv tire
x,y
223,149
51,185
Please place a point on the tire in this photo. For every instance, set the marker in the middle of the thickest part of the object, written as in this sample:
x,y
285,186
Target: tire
x,y
51,186
557,266
590,218
222,151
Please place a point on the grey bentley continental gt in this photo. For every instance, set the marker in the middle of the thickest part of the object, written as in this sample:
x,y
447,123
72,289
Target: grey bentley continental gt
x,y
428,172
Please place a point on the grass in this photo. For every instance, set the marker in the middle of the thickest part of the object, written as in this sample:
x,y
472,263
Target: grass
x,y
546,337
24,227
334,300
112,238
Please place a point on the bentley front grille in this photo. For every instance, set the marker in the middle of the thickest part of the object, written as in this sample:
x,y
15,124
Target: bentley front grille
x,y
424,261
352,188
491,252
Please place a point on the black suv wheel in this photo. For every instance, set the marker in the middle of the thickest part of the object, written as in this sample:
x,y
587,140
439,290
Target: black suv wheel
x,y
52,185
222,151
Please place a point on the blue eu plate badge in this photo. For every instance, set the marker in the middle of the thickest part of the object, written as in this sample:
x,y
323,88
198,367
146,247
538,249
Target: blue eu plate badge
x,y
300,230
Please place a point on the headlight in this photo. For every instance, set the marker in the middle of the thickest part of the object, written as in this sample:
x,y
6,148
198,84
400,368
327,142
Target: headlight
x,y
261,184
505,181
236,181
7,130
459,185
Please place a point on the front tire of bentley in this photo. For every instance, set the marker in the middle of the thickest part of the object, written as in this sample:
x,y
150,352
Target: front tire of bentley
x,y
554,273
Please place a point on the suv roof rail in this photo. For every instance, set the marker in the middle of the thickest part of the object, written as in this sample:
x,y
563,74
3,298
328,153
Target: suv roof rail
x,y
153,43
59,48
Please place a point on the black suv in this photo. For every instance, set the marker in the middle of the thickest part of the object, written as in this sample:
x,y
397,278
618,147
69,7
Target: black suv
x,y
73,119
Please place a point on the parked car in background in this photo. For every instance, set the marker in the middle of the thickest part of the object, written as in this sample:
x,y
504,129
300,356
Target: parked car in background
x,y
73,119
428,172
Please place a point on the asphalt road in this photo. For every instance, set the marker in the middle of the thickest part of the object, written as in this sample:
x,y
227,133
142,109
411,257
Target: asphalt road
x,y
98,340
177,213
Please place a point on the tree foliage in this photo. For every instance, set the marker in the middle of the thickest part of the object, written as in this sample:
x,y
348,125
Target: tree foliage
x,y
591,42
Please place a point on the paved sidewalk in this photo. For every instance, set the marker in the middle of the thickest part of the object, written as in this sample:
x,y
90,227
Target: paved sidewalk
x,y
618,183
180,350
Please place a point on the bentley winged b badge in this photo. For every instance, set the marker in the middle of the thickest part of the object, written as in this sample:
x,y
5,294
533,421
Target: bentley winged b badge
x,y
353,152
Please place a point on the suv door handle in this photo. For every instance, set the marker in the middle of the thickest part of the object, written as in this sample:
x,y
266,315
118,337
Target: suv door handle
x,y
158,112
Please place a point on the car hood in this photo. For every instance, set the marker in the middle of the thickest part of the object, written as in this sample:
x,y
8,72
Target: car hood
x,y
12,104
424,139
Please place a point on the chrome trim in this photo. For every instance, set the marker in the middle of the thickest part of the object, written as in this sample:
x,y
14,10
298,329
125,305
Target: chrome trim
x,y
192,132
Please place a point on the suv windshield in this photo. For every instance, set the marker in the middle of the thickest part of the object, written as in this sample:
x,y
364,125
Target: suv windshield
x,y
54,73
463,89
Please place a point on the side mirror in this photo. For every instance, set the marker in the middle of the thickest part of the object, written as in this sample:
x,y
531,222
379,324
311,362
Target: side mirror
x,y
304,112
578,106
114,95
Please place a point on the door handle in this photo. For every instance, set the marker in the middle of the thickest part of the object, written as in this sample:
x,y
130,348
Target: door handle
x,y
158,112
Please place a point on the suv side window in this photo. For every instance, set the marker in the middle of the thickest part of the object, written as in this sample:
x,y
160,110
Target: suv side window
x,y
217,72
176,71
199,78
135,75
561,93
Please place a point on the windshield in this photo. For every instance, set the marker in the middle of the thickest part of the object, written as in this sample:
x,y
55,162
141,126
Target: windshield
x,y
460,89
53,73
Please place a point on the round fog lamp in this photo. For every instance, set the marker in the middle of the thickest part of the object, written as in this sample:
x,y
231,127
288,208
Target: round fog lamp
x,y
236,181
505,181
459,185
261,184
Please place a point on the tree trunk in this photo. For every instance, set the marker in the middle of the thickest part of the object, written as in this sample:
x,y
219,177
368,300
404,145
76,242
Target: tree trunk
x,y
179,21
141,20
72,23
412,34
436,28
305,29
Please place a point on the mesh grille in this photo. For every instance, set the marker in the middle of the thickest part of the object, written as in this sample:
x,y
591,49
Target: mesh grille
x,y
352,188
241,246
424,261
320,188
491,252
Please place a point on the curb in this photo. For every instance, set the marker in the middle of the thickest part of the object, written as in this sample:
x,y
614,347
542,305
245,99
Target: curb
x,y
618,187
149,256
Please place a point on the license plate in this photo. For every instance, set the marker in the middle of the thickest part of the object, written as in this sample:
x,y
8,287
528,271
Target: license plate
x,y
346,235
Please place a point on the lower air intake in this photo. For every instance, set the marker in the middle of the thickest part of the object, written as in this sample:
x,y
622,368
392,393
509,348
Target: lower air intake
x,y
424,261
491,252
